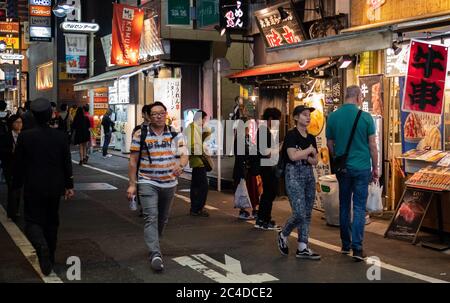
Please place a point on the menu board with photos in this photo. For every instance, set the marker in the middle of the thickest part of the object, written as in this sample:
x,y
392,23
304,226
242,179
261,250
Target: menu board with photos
x,y
409,215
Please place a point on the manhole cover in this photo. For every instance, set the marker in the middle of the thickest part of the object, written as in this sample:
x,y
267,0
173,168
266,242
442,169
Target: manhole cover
x,y
94,186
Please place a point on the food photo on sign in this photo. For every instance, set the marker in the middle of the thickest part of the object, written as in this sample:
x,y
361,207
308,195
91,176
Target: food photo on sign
x,y
409,215
420,130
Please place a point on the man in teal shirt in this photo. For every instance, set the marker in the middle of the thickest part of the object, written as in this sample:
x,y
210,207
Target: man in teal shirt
x,y
361,167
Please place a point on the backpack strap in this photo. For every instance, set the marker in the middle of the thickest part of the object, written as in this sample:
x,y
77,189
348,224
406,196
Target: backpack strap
x,y
352,134
142,143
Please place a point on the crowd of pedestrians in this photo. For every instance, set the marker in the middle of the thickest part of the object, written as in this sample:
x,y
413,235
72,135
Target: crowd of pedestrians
x,y
36,163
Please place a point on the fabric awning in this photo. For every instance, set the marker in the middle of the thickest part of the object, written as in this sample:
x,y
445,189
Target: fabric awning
x,y
107,79
334,46
280,68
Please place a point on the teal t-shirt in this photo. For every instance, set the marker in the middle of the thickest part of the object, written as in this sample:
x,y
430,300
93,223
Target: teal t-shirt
x,y
339,128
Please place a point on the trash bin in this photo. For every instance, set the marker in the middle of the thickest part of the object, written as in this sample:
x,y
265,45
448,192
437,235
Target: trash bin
x,y
329,193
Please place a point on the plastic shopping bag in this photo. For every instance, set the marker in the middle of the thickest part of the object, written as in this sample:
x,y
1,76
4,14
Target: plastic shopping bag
x,y
374,201
241,197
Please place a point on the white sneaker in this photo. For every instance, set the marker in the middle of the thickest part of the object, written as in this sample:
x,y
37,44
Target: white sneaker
x,y
108,156
157,263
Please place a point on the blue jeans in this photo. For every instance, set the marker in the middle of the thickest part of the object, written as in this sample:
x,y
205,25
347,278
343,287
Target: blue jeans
x,y
301,189
356,183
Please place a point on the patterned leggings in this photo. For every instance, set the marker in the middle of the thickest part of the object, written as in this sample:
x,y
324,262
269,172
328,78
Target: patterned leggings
x,y
301,189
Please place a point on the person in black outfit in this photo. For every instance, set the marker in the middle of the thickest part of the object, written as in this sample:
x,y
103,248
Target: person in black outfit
x,y
108,127
43,166
268,176
28,118
82,135
7,146
246,166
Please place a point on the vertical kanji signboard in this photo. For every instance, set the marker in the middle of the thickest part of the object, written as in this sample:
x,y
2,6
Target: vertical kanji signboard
x,y
425,82
234,15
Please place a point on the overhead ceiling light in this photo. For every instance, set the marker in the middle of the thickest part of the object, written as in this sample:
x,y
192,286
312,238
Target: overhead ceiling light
x,y
2,45
283,13
62,9
303,63
345,61
59,12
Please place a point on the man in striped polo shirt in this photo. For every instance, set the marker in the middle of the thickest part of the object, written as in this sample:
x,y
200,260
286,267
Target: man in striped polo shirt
x,y
157,176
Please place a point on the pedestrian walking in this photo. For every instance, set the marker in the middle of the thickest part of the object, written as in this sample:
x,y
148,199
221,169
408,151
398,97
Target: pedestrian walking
x,y
108,128
64,116
55,121
196,134
8,143
145,114
153,172
80,129
301,151
28,118
351,136
267,151
246,166
43,167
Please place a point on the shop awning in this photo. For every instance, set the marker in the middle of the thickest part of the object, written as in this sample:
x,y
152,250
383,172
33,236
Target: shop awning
x,y
107,79
334,46
280,68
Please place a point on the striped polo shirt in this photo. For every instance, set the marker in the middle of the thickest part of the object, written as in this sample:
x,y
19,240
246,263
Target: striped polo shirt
x,y
163,158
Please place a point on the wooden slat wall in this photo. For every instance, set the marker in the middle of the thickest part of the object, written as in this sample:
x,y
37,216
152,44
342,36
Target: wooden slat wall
x,y
328,6
396,9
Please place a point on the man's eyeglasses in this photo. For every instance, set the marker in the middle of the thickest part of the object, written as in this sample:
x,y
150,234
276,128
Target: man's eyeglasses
x,y
154,115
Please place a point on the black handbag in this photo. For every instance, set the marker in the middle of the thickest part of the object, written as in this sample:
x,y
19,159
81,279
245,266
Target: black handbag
x,y
339,164
282,161
207,162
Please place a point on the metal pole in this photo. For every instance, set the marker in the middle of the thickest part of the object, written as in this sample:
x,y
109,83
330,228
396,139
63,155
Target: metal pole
x,y
91,74
219,128
19,84
91,68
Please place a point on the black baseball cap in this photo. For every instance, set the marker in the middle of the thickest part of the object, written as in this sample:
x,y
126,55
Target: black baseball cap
x,y
299,109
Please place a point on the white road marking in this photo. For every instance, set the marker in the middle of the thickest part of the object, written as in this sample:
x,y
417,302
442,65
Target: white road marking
x,y
187,200
126,179
25,247
384,265
197,266
103,171
232,268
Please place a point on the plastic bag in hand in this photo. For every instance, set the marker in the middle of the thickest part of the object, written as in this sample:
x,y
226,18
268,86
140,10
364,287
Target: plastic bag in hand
x,y
241,197
374,201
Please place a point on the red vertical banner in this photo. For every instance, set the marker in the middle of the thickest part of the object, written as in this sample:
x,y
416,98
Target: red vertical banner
x,y
127,27
425,82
